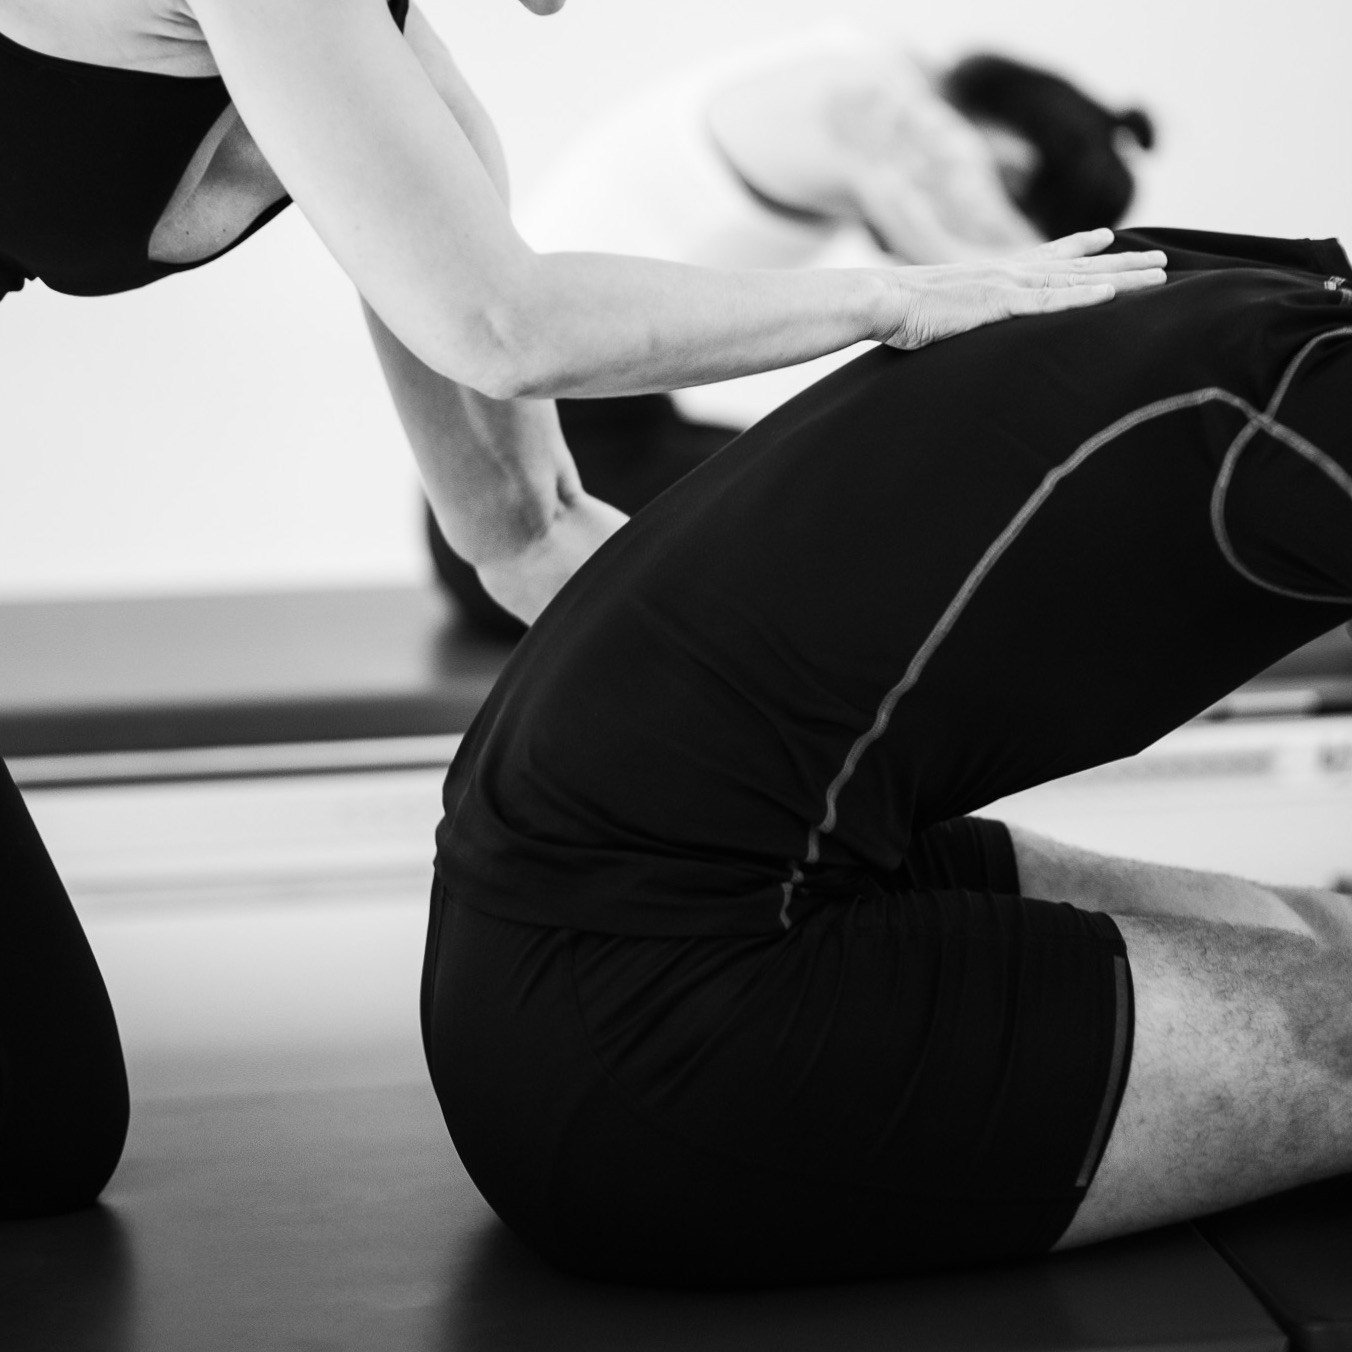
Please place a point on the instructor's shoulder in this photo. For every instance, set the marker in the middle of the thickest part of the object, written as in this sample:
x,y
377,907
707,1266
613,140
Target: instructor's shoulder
x,y
159,36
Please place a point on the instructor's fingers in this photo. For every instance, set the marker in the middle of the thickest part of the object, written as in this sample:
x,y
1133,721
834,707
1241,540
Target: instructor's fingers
x,y
1134,281
1048,300
1065,293
948,300
1083,253
1123,281
1074,246
1120,262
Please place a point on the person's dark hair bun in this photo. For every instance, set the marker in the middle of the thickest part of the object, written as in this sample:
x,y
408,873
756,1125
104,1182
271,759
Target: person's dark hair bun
x,y
1081,179
1140,125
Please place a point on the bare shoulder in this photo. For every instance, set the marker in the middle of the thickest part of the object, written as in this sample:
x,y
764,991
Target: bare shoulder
x,y
152,35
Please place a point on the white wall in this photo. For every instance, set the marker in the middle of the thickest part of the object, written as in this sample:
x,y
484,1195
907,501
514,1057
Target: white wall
x,y
227,429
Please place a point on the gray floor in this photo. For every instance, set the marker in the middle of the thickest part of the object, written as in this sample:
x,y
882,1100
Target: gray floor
x,y
341,1218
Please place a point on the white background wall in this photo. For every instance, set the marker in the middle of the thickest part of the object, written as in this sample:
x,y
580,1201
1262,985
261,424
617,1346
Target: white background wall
x,y
227,429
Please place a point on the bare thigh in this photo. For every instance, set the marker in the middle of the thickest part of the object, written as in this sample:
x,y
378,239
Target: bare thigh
x,y
1241,1071
1101,882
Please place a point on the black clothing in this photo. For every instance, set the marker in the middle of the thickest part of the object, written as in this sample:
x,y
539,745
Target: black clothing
x,y
89,158
63,1089
902,1082
700,1000
929,581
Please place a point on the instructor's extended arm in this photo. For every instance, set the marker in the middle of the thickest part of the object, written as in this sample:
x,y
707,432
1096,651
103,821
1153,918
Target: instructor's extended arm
x,y
379,164
497,473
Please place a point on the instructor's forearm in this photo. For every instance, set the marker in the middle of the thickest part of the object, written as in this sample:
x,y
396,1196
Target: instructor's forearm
x,y
500,480
599,324
495,471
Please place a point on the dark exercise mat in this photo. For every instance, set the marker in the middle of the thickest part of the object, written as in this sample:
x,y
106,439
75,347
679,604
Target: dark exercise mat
x,y
342,1219
1295,1251
154,673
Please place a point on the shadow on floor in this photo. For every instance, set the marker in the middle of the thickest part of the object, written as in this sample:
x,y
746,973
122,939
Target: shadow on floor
x,y
84,1266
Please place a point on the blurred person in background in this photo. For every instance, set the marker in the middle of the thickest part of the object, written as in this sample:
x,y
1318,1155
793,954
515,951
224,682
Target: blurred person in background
x,y
826,146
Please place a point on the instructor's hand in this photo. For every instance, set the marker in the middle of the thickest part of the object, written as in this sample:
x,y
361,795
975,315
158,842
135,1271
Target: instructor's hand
x,y
1063,274
525,582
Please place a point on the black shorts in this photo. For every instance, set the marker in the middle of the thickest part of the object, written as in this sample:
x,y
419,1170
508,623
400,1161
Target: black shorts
x,y
922,1075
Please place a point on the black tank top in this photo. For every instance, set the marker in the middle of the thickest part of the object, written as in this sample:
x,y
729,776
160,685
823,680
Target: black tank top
x,y
89,158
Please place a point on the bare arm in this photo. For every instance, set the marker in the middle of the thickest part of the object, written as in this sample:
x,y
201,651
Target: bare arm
x,y
497,473
500,479
380,165
856,133
905,223
918,174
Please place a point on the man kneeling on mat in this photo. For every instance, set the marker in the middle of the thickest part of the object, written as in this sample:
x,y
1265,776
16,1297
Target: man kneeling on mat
x,y
725,986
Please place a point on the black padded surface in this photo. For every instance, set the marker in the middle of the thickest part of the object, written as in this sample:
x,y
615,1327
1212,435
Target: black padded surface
x,y
154,673
342,1219
1295,1251
149,674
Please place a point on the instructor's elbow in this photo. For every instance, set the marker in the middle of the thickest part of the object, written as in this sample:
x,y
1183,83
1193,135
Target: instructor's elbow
x,y
511,373
473,355
526,364
507,347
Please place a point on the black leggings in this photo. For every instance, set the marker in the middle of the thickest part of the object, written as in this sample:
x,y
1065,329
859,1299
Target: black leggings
x,y
63,1088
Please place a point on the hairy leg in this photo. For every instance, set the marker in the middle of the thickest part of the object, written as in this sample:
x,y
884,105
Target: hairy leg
x,y
1241,1073
1055,871
1241,1070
